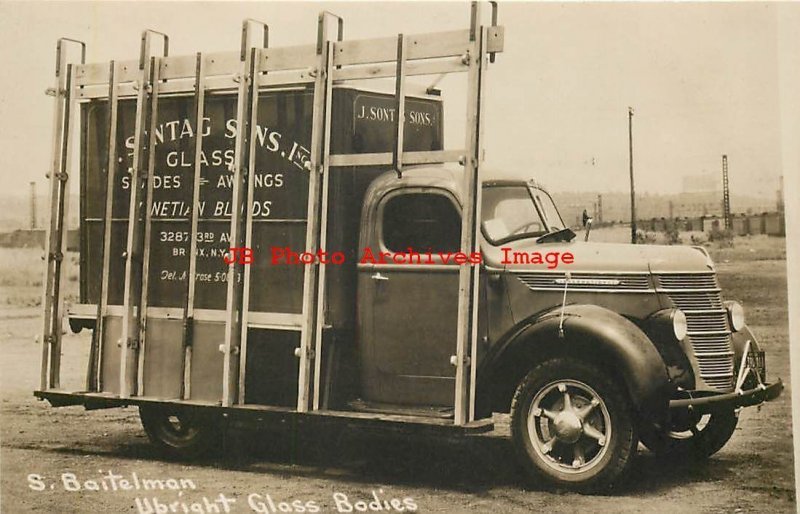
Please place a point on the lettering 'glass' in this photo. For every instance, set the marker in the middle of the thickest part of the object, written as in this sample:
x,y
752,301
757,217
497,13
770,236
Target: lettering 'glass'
x,y
421,222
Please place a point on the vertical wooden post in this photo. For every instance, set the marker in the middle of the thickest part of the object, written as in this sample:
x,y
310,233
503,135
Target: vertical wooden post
x,y
188,307
148,222
130,325
94,378
55,239
315,168
248,219
242,228
48,301
469,276
62,228
400,106
233,315
323,228
476,217
132,295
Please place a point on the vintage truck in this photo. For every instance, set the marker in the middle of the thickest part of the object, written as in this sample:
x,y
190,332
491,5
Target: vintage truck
x,y
261,242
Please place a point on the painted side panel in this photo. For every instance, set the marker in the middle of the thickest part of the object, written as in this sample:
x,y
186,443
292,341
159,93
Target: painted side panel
x,y
163,359
109,364
206,376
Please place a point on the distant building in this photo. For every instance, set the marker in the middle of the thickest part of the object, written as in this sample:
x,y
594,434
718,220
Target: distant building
x,y
702,183
616,206
696,204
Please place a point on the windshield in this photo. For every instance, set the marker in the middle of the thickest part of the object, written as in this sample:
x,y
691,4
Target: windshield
x,y
517,212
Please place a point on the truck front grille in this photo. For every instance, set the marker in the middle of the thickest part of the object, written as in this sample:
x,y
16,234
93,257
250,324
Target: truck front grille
x,y
544,280
698,296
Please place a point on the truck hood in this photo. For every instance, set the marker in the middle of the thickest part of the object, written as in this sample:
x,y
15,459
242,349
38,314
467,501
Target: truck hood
x,y
600,257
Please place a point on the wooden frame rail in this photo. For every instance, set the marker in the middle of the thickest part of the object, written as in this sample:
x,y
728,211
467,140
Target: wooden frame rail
x,y
255,68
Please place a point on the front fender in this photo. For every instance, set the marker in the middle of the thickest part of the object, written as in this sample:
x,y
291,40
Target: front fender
x,y
599,336
740,339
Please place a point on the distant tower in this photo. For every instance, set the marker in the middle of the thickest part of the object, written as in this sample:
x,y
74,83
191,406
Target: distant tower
x,y
33,205
726,193
780,195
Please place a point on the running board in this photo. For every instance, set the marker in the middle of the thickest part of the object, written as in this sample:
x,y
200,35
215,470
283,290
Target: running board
x,y
262,416
433,411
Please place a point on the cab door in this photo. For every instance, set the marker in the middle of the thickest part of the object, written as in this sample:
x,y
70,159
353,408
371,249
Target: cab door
x,y
407,311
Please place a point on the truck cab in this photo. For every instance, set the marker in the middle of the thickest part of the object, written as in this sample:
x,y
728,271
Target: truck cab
x,y
590,346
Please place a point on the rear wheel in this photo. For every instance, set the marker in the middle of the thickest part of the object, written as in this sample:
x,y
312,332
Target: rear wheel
x,y
572,425
692,435
179,433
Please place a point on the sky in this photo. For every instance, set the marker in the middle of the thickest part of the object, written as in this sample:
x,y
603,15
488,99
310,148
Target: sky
x,y
702,79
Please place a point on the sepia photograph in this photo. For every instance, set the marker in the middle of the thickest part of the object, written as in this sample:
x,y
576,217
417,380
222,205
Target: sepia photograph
x,y
409,256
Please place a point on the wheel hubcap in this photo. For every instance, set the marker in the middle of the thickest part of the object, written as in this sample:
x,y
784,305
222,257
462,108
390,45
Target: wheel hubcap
x,y
178,427
568,425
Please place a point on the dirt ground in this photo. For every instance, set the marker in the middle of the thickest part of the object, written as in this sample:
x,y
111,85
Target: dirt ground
x,y
753,473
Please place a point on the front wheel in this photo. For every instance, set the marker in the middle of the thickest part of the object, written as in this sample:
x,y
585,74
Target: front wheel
x,y
692,435
179,433
572,425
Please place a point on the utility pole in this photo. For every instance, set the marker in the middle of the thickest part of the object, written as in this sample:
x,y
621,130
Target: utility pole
x,y
726,194
33,205
630,161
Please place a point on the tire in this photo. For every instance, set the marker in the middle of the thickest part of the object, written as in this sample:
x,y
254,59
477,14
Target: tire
x,y
179,433
586,446
692,436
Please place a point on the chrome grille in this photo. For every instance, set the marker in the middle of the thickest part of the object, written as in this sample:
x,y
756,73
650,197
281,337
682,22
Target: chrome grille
x,y
584,281
698,296
688,281
696,301
707,321
712,343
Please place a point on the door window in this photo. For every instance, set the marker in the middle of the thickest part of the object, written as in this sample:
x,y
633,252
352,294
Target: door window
x,y
423,222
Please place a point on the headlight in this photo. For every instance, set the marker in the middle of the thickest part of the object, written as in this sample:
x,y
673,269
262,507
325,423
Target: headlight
x,y
667,324
735,315
679,326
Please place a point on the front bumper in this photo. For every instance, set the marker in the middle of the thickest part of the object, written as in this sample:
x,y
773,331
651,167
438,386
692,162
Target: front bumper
x,y
702,401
